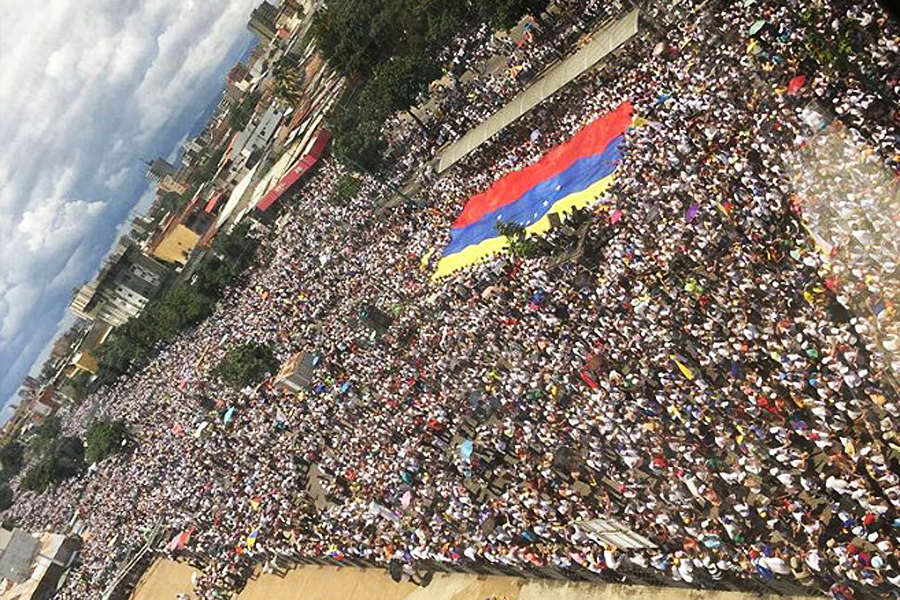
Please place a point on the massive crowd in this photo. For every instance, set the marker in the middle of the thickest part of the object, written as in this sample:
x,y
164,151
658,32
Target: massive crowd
x,y
701,372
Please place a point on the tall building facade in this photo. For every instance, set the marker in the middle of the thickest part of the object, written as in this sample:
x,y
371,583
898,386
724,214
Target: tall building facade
x,y
159,168
262,22
124,286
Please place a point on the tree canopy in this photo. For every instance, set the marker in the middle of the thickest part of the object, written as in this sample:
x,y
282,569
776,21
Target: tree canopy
x,y
389,51
518,242
356,36
12,455
43,434
399,82
103,439
63,459
505,14
179,308
240,115
345,189
81,384
288,79
6,497
356,135
247,364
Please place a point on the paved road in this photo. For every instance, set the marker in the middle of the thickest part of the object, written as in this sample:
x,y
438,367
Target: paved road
x,y
164,581
332,583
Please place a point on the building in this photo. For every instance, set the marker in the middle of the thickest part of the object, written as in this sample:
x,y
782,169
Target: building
x,y
83,362
171,184
31,565
233,93
29,387
84,357
181,232
296,374
62,347
192,151
30,383
176,244
247,146
159,168
238,73
46,404
262,22
142,227
125,284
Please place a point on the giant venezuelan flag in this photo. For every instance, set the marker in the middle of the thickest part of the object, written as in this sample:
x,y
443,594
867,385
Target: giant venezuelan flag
x,y
572,175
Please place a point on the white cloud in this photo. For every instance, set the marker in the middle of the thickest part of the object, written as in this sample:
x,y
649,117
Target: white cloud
x,y
88,87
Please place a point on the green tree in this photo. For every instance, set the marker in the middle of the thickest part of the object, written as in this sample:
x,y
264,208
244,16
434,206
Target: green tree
x,y
12,455
357,35
38,478
237,246
44,434
442,19
48,369
505,14
232,254
181,307
66,458
213,276
288,79
241,114
399,82
103,439
49,427
171,202
6,497
118,354
356,135
247,364
81,385
210,164
59,457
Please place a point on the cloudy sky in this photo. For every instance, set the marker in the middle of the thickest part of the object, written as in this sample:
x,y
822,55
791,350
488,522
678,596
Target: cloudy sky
x,y
87,88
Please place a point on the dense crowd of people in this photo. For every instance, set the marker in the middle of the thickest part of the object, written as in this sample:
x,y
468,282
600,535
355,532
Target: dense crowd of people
x,y
698,369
